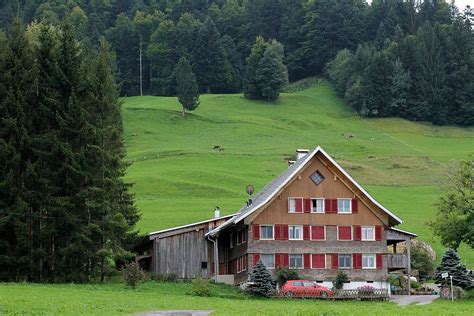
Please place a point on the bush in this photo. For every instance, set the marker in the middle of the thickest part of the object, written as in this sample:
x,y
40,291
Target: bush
x,y
285,274
341,278
166,277
458,292
366,290
133,275
415,285
201,287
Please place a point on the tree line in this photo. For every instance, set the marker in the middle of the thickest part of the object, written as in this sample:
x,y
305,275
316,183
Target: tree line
x,y
65,211
420,49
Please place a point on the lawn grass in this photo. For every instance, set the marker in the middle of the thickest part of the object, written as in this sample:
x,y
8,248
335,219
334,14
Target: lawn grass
x,y
116,299
179,178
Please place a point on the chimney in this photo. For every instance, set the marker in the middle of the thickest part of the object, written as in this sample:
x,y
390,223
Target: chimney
x,y
217,212
300,153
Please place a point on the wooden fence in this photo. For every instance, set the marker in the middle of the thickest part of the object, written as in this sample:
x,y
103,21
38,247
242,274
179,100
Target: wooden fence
x,y
356,294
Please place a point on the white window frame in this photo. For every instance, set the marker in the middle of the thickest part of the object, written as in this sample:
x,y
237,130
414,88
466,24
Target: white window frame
x,y
239,265
318,212
301,232
311,233
350,205
242,265
337,232
289,206
231,240
339,261
296,254
268,254
367,267
239,232
244,234
362,233
273,232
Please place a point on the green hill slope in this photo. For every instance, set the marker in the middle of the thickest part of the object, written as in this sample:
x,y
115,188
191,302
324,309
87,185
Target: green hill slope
x,y
179,178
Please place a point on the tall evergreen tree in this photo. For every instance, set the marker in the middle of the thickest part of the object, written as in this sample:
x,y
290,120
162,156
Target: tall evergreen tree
x,y
262,282
251,89
188,93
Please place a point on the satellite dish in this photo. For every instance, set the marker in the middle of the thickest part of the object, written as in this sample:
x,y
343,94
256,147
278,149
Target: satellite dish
x,y
249,189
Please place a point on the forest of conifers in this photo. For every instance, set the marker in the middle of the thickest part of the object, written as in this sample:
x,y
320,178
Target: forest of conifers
x,y
406,58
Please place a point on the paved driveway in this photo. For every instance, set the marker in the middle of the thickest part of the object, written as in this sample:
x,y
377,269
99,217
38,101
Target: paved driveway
x,y
409,299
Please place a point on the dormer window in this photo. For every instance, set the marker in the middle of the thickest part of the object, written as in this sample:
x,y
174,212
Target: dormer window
x,y
317,177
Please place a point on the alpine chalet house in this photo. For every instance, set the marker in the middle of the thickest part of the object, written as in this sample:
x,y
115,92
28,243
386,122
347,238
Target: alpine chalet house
x,y
314,218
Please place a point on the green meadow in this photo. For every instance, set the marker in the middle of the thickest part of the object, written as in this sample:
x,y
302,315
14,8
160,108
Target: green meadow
x,y
179,178
116,299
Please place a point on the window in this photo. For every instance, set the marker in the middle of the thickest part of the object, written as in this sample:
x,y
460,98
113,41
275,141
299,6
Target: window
x,y
345,261
295,232
204,265
298,283
268,260
239,237
266,232
244,236
368,233
296,261
344,206
368,261
295,205
317,177
317,206
231,241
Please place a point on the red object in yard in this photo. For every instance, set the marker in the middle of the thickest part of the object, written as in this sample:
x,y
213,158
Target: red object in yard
x,y
305,288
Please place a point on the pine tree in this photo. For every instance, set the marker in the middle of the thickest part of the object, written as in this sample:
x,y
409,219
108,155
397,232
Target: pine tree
x,y
451,264
271,75
251,89
209,58
262,282
399,88
188,94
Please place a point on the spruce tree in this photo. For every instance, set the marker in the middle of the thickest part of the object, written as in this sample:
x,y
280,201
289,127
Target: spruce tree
x,y
451,264
271,75
188,94
262,282
400,89
251,89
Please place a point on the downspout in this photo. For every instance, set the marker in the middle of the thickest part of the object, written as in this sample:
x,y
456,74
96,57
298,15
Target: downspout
x,y
216,257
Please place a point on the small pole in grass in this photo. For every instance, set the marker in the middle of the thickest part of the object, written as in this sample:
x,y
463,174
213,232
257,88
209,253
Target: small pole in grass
x,y
452,293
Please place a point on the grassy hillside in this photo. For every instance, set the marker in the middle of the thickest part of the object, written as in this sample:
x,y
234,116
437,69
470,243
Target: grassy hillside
x,y
179,178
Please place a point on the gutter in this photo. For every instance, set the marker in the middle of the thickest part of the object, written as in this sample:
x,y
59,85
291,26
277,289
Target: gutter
x,y
216,257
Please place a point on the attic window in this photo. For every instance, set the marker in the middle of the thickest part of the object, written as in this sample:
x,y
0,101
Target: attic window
x,y
317,177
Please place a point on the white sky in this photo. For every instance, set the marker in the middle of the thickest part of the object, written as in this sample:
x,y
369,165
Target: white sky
x,y
461,4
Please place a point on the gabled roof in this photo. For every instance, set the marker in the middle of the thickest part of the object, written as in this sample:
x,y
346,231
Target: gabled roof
x,y
274,187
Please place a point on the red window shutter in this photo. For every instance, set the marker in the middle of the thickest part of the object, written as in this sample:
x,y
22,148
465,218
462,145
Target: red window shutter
x,y
327,205
378,232
357,232
256,232
318,261
307,205
379,262
317,233
355,206
284,232
357,260
344,232
286,260
306,232
334,205
298,205
278,262
307,261
334,261
256,258
277,232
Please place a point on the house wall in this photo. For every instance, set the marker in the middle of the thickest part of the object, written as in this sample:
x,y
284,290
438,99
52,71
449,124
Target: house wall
x,y
334,186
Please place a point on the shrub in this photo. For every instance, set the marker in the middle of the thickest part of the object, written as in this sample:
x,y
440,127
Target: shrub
x,y
166,277
201,287
341,278
285,274
415,285
261,282
133,275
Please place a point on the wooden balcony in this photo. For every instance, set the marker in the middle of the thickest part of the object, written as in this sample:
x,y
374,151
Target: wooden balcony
x,y
397,260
